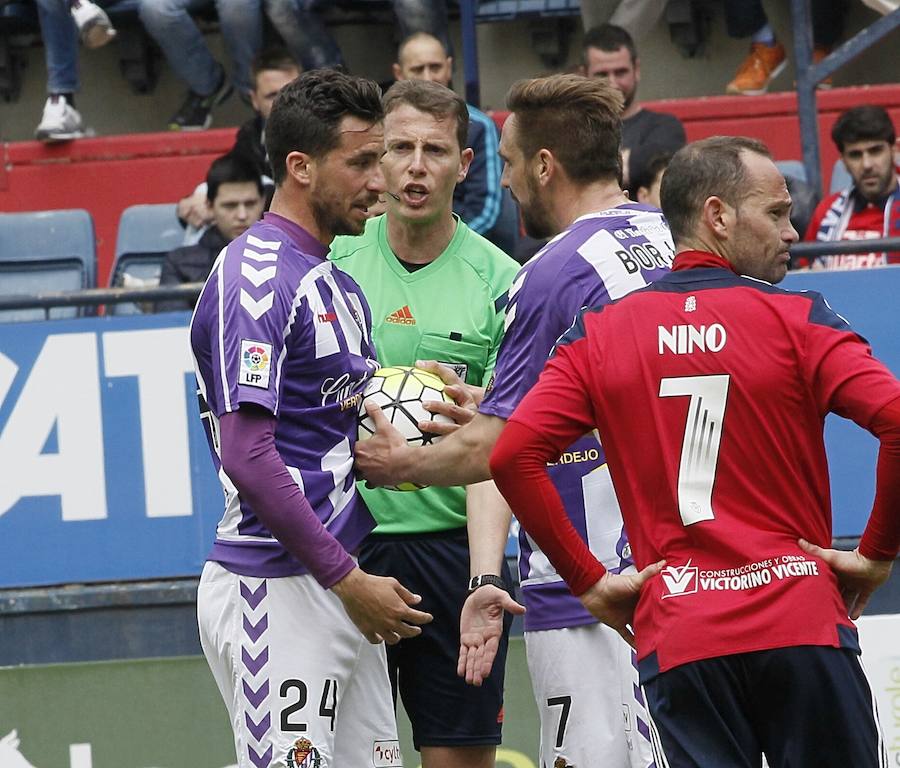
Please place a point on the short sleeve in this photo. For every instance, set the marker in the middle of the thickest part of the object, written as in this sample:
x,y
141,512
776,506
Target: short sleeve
x,y
255,317
532,324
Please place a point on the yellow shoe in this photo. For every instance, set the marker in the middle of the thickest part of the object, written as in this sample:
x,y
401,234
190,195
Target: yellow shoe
x,y
762,65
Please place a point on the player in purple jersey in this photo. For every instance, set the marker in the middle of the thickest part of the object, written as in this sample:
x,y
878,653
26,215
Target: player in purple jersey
x,y
560,146
282,350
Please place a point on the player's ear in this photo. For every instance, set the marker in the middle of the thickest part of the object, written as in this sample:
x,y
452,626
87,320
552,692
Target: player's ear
x,y
398,72
466,157
545,166
300,167
718,216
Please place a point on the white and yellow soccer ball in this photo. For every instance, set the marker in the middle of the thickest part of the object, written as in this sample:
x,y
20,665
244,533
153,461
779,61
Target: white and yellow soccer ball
x,y
400,391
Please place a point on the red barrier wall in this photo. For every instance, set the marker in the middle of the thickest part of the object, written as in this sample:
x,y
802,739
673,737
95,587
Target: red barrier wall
x,y
105,175
772,118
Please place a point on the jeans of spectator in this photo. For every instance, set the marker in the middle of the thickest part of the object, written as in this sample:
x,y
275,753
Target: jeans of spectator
x,y
636,16
60,37
169,22
744,17
304,33
423,16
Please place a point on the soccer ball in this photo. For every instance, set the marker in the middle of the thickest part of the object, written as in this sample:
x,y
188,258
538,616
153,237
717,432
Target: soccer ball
x,y
400,391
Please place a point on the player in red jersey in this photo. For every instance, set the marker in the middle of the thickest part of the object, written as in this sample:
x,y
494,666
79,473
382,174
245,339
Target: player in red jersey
x,y
709,388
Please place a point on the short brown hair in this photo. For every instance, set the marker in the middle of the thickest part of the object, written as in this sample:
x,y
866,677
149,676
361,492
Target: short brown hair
x,y
432,98
577,118
703,169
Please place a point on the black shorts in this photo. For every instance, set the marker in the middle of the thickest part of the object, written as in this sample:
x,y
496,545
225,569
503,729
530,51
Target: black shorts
x,y
804,707
442,708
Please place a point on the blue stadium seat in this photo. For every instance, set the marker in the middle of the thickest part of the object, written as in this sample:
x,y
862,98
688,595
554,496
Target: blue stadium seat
x,y
149,229
46,251
146,234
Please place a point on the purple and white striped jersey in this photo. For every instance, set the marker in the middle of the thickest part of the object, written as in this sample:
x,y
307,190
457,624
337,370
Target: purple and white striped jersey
x,y
280,327
597,259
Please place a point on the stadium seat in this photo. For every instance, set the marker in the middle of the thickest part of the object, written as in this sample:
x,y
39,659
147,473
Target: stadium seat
x,y
46,251
146,234
149,229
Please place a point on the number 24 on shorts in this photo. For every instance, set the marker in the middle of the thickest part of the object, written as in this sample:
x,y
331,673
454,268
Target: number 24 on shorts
x,y
296,694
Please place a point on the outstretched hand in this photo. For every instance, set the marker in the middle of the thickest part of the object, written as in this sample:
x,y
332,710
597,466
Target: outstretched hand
x,y
858,577
612,600
480,630
380,606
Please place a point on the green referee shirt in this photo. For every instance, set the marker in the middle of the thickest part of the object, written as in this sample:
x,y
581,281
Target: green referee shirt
x,y
450,310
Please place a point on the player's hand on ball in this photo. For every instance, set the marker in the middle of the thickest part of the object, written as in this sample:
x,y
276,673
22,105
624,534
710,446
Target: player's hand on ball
x,y
465,395
381,607
858,577
480,630
613,599
463,408
378,457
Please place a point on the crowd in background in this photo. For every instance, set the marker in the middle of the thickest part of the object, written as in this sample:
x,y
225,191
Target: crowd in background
x,y
229,201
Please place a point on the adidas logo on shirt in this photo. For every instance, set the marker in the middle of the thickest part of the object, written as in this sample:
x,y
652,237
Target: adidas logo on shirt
x,y
401,316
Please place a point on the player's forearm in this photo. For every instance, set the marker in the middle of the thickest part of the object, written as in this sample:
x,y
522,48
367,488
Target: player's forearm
x,y
252,462
487,521
462,458
519,464
881,539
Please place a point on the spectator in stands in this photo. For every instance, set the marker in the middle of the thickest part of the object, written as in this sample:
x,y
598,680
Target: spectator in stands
x,y
767,57
477,200
609,52
62,23
645,184
637,17
272,69
870,208
235,198
169,22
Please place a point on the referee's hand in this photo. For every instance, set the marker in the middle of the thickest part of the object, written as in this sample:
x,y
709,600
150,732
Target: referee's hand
x,y
380,606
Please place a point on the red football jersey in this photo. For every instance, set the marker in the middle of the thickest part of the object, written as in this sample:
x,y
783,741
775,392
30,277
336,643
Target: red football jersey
x,y
710,392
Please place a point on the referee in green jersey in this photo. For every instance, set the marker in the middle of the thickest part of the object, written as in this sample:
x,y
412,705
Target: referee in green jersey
x,y
437,292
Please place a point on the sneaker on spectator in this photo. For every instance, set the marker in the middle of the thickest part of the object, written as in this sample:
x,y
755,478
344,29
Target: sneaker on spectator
x,y
763,64
60,121
94,26
819,53
196,112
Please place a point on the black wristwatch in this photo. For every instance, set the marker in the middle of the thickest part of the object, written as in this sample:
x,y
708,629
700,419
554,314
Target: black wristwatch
x,y
487,578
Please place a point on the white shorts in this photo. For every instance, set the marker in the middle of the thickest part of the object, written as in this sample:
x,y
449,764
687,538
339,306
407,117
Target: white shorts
x,y
591,708
303,687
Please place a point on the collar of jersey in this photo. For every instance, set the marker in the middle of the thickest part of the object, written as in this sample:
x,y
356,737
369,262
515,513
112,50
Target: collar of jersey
x,y
302,240
700,260
410,277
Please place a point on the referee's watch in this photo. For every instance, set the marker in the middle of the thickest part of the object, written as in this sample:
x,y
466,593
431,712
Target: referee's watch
x,y
487,578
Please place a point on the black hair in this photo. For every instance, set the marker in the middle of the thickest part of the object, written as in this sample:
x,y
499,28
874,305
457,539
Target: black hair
x,y
233,168
308,111
869,123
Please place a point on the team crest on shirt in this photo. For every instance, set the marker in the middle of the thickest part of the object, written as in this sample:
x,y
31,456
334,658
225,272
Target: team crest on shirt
x,y
561,762
303,755
256,360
